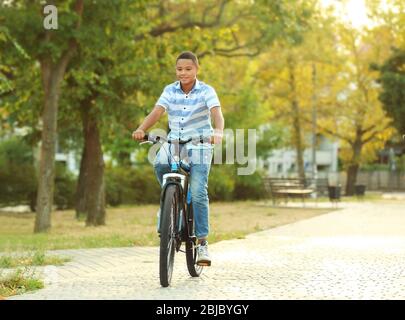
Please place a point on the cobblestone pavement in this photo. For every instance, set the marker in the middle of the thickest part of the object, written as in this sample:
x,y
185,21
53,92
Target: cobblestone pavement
x,y
354,253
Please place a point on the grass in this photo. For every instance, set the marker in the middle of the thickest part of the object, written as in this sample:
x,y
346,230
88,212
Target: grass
x,y
32,259
18,282
136,225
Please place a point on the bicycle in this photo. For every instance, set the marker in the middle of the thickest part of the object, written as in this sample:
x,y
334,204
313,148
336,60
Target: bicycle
x,y
176,223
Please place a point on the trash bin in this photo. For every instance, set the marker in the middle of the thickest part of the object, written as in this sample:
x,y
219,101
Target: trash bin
x,y
359,189
334,193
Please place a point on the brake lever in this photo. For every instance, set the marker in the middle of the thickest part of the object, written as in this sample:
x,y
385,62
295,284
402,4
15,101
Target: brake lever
x,y
146,142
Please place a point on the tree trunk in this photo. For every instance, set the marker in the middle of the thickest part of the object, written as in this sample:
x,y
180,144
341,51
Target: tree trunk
x,y
47,153
296,122
81,188
314,166
91,187
351,179
298,144
81,200
353,167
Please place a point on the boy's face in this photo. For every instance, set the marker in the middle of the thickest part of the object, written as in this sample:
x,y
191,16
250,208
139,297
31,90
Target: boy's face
x,y
186,71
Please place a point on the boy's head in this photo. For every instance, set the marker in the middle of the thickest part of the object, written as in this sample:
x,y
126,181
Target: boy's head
x,y
187,67
188,55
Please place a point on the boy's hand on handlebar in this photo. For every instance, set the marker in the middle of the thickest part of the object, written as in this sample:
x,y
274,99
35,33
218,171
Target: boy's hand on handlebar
x,y
138,135
216,138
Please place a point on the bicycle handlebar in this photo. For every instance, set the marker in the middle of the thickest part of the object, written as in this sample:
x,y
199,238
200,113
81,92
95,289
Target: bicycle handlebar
x,y
155,139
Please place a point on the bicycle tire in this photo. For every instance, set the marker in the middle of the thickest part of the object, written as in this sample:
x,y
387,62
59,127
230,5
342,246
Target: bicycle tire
x,y
167,235
191,249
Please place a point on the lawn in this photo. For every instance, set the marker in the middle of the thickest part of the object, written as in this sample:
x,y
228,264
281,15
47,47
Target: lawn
x,y
18,282
30,259
136,226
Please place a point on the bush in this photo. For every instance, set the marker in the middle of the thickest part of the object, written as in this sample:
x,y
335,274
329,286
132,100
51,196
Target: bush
x,y
126,185
249,187
145,185
17,173
375,167
401,163
221,183
65,188
18,180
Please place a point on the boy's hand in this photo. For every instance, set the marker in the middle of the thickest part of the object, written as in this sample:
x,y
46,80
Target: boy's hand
x,y
138,134
216,138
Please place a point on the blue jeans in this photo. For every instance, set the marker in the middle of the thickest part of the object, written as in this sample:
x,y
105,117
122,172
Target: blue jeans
x,y
199,161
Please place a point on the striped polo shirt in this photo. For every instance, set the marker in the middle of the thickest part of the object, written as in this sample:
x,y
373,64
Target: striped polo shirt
x,y
189,114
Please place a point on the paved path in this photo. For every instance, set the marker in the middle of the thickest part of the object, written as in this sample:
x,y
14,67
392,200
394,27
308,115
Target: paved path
x,y
354,253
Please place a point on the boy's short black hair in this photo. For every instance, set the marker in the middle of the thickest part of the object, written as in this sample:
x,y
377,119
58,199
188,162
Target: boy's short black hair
x,y
188,55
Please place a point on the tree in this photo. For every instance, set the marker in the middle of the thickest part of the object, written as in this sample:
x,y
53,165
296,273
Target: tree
x,y
97,87
53,51
355,115
392,79
287,77
331,71
391,20
7,74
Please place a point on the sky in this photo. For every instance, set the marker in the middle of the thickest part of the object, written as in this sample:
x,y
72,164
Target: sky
x,y
351,11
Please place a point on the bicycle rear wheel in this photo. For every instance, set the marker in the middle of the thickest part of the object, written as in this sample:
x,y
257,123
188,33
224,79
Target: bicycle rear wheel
x,y
191,247
167,235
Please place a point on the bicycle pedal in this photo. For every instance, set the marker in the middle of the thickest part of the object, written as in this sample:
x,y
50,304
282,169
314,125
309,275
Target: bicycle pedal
x,y
204,263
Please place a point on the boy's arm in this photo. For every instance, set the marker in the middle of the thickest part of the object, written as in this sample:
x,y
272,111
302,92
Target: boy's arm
x,y
148,122
219,122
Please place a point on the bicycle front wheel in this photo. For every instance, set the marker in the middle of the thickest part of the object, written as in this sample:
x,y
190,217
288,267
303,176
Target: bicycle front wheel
x,y
167,235
191,248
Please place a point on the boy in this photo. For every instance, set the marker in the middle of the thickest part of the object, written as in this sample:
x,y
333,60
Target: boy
x,y
190,105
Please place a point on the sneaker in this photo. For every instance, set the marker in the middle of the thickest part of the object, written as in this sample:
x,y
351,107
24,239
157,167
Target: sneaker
x,y
203,258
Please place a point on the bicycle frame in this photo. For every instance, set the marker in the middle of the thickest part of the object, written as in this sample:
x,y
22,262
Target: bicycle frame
x,y
179,176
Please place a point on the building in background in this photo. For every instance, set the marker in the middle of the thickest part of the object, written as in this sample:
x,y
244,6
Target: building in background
x,y
282,162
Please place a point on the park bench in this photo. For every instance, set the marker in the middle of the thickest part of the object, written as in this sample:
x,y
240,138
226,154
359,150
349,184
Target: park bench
x,y
286,188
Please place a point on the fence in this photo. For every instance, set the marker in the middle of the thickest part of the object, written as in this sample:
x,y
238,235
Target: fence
x,y
373,180
382,180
